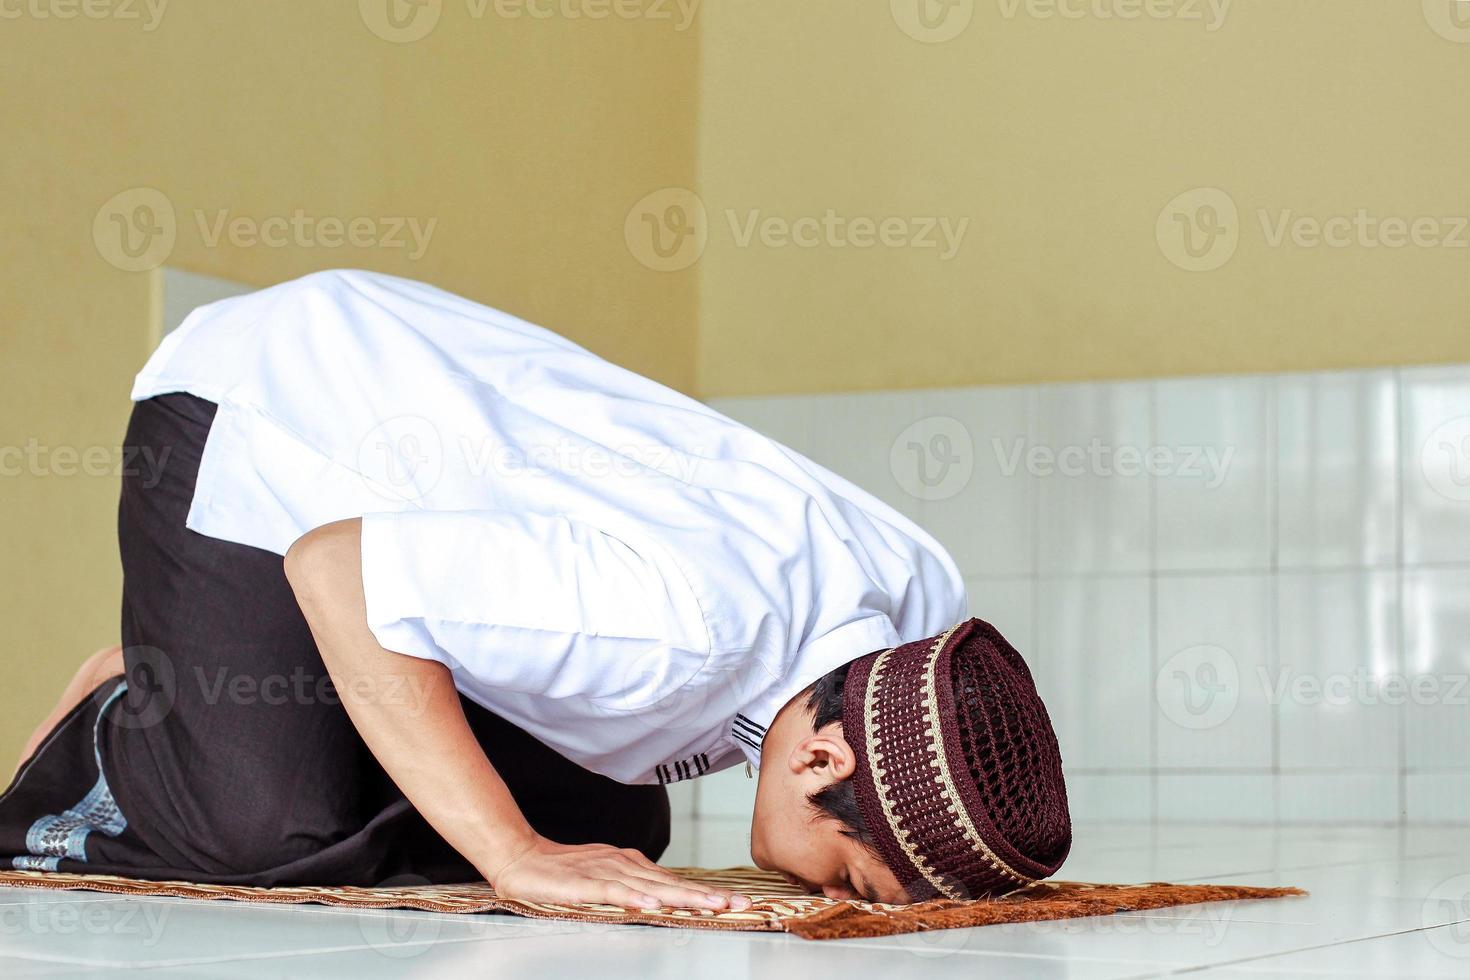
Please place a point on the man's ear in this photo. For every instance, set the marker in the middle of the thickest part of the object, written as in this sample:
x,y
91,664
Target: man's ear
x,y
825,753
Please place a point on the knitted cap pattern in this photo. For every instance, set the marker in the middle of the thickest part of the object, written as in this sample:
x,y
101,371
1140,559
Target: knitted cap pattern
x,y
959,776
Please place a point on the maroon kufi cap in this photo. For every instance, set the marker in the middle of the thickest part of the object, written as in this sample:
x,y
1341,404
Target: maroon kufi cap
x,y
959,778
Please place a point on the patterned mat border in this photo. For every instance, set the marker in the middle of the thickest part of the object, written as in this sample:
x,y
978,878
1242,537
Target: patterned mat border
x,y
778,907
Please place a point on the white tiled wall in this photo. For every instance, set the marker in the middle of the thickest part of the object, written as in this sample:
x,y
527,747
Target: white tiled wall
x,y
185,291
1097,520
1243,598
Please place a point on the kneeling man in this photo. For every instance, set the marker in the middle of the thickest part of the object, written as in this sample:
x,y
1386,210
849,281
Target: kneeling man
x,y
522,591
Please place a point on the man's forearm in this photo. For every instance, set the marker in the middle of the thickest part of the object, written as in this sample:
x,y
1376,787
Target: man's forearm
x,y
421,738
426,745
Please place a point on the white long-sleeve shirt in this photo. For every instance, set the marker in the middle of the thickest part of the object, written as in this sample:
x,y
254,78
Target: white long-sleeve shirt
x,y
633,578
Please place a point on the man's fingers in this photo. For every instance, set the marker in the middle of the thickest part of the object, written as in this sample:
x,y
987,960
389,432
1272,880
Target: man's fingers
x,y
620,893
659,873
683,896
648,869
613,876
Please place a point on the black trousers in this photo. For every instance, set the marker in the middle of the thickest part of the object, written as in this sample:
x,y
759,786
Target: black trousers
x,y
227,753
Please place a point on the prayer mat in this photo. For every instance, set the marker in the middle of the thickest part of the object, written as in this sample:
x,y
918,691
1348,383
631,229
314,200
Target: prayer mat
x,y
778,906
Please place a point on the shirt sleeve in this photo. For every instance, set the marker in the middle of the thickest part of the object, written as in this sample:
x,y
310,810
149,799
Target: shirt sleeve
x,y
526,602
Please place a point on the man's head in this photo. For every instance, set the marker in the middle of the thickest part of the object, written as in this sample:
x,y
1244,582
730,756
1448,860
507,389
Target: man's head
x,y
929,770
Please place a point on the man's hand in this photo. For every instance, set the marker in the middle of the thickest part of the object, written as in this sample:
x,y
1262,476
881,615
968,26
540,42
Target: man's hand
x,y
603,875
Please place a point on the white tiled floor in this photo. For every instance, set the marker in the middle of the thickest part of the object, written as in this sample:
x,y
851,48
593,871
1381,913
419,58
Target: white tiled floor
x,y
1386,902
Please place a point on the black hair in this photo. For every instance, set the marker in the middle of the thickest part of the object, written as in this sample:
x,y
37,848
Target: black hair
x,y
835,800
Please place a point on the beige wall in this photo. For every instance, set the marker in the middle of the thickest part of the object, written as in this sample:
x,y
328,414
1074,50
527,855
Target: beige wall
x,y
527,140
1061,140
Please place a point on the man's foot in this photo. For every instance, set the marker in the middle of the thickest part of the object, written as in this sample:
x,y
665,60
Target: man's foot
x,y
105,663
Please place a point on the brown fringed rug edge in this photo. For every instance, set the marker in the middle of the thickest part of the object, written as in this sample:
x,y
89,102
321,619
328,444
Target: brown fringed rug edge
x,y
1046,901
776,908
